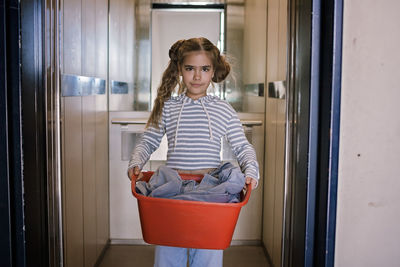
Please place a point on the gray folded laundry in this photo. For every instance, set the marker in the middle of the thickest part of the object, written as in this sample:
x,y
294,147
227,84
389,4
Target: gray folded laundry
x,y
222,185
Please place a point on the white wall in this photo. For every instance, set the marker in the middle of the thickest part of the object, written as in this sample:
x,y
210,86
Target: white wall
x,y
368,214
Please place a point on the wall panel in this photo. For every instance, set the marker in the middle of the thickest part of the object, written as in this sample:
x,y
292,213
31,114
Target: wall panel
x,y
275,130
101,128
85,133
89,182
72,139
72,182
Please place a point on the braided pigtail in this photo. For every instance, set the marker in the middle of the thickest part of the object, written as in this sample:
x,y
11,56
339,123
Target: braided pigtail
x,y
169,80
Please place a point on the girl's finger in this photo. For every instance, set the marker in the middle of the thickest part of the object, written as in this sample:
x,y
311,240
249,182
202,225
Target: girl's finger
x,y
253,183
137,171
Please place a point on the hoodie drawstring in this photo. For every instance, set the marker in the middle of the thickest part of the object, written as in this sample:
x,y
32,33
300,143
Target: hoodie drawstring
x,y
177,124
179,119
208,117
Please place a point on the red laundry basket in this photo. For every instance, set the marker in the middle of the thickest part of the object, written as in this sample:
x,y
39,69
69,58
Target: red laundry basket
x,y
188,224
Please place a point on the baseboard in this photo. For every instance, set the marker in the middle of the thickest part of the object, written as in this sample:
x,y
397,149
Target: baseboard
x,y
103,252
246,243
128,242
267,255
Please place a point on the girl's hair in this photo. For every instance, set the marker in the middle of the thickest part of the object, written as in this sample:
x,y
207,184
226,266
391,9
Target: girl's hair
x,y
170,78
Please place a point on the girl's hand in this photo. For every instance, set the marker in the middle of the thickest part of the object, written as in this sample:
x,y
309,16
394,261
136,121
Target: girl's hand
x,y
135,171
252,182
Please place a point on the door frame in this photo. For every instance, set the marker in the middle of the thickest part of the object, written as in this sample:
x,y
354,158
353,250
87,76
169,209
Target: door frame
x,y
312,136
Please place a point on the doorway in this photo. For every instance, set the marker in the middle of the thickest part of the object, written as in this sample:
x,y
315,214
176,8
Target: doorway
x,y
90,115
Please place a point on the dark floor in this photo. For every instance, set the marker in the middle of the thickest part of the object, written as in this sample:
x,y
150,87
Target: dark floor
x,y
142,256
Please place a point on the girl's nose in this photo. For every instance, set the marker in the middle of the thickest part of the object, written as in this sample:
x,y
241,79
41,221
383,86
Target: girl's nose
x,y
197,75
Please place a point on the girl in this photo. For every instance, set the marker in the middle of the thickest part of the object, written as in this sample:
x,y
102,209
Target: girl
x,y
194,123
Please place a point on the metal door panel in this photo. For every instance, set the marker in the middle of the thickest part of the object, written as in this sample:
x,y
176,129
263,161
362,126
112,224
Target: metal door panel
x,y
89,179
72,181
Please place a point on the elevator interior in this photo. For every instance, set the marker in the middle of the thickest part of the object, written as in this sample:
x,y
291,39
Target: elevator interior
x,y
109,71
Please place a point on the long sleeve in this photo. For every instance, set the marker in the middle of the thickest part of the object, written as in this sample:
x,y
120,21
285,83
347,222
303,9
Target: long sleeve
x,y
148,144
242,149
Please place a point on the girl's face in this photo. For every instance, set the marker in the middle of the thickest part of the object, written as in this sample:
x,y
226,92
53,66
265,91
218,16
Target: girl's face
x,y
197,72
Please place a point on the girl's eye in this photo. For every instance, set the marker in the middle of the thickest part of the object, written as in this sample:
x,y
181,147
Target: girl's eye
x,y
205,69
188,68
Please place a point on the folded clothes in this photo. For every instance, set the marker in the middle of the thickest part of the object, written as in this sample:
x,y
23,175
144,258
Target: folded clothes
x,y
223,185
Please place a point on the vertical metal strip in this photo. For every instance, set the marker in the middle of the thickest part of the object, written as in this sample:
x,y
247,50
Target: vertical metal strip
x,y
53,133
57,55
313,133
6,242
286,220
335,128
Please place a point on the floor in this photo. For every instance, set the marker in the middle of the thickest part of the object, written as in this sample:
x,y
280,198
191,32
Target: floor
x,y
142,256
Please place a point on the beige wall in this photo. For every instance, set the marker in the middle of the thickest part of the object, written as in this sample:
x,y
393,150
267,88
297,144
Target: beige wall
x,y
368,214
275,130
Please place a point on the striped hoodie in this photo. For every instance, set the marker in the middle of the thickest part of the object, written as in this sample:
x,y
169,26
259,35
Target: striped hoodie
x,y
194,131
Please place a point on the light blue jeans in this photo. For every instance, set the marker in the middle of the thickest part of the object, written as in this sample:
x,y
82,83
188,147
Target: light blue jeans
x,y
177,257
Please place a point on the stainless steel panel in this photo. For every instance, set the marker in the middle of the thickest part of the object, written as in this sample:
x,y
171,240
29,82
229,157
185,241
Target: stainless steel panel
x,y
72,181
128,143
75,85
89,179
71,62
128,121
254,89
120,87
142,76
277,89
234,49
250,123
71,16
128,54
102,177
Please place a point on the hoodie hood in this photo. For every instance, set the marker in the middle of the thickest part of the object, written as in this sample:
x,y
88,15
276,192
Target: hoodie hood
x,y
183,98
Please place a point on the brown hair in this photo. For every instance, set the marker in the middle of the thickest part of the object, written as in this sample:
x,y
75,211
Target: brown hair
x,y
170,77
